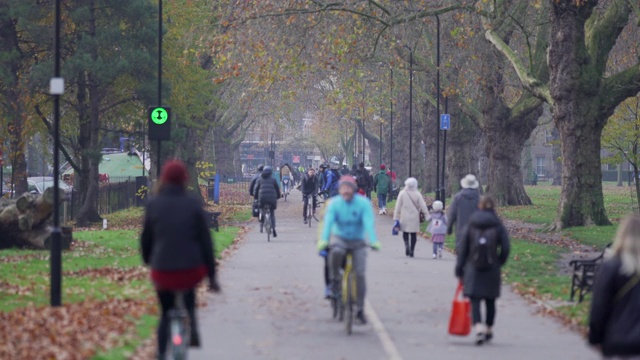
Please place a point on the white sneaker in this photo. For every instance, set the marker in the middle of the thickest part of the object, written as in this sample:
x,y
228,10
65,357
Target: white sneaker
x,y
480,330
434,256
380,212
384,211
440,253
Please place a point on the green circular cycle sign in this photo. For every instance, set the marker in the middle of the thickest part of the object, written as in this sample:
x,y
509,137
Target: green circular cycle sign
x,y
159,116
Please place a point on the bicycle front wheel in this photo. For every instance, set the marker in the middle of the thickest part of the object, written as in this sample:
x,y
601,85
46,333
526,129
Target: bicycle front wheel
x,y
348,323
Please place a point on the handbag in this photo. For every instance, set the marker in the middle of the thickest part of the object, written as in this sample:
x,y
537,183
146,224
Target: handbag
x,y
422,217
460,321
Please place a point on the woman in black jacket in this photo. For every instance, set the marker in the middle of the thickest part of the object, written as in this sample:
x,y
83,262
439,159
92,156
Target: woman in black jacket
x,y
483,250
614,325
176,243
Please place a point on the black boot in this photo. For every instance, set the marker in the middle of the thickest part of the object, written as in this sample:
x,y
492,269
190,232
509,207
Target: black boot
x,y
407,251
413,246
274,233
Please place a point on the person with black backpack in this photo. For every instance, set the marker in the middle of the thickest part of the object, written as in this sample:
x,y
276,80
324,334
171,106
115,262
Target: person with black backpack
x,y
483,250
363,179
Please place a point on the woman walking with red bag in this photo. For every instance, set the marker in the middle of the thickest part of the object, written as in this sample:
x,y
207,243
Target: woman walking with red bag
x,y
483,250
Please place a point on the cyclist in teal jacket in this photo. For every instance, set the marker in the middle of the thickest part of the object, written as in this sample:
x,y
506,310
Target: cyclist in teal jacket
x,y
349,217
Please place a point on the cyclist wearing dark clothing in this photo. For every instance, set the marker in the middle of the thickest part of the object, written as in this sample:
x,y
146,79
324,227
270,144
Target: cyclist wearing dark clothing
x,y
254,180
176,244
309,187
268,193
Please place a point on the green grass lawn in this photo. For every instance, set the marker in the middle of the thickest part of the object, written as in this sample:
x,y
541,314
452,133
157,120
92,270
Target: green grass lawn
x,y
618,202
102,265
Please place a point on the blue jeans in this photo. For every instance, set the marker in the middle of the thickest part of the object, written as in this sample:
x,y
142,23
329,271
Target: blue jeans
x,y
382,201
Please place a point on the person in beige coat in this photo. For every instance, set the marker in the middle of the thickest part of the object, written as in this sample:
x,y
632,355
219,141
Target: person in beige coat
x,y
407,212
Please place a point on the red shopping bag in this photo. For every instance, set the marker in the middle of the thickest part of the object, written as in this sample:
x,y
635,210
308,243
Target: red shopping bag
x,y
460,321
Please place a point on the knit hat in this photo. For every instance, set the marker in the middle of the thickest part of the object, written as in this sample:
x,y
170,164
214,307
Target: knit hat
x,y
383,167
174,172
348,180
469,182
437,205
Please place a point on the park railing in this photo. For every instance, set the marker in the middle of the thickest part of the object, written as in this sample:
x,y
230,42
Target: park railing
x,y
232,190
119,193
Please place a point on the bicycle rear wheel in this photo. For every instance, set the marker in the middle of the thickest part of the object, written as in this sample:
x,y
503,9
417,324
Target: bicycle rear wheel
x,y
348,323
267,223
179,336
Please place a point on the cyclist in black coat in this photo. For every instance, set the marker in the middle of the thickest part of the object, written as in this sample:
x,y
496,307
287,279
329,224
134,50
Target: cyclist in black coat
x,y
176,244
309,187
268,193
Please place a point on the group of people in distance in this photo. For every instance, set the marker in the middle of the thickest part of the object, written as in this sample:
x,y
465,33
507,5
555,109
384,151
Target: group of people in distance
x,y
177,245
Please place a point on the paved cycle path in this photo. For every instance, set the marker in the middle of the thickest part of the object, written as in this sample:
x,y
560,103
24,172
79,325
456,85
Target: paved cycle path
x,y
272,306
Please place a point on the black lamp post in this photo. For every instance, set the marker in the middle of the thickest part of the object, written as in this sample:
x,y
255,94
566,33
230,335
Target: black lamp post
x,y
410,108
438,190
159,77
391,121
363,115
56,90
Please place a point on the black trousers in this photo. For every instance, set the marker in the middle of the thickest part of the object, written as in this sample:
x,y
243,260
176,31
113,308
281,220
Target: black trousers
x,y
414,239
167,299
491,311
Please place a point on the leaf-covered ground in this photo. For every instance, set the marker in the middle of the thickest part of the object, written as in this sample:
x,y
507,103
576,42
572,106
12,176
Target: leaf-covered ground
x,y
109,304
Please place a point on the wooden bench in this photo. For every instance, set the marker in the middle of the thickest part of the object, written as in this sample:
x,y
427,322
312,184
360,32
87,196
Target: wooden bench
x,y
584,273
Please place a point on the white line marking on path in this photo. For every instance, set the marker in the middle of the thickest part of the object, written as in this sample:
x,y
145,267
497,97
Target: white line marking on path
x,y
388,344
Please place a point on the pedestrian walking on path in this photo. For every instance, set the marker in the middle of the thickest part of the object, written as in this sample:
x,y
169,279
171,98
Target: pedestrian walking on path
x,y
407,212
483,250
176,244
465,203
382,184
437,228
614,325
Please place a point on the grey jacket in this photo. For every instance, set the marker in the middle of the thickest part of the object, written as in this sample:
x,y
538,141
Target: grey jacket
x,y
483,284
464,204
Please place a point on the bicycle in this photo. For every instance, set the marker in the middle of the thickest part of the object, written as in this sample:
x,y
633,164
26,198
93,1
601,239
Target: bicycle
x,y
348,296
179,328
345,301
265,216
308,207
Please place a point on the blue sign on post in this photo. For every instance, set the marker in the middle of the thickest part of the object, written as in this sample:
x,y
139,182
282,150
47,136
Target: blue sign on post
x,y
445,121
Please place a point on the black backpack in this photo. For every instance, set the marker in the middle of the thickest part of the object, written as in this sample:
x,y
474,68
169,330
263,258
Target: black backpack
x,y
362,179
484,248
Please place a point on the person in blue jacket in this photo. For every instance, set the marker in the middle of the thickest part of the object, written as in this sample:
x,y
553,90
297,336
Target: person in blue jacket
x,y
330,184
349,217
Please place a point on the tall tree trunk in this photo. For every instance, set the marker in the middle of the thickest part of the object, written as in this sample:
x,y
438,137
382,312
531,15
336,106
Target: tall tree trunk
x,y
577,116
620,179
90,155
505,138
17,155
464,148
556,155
